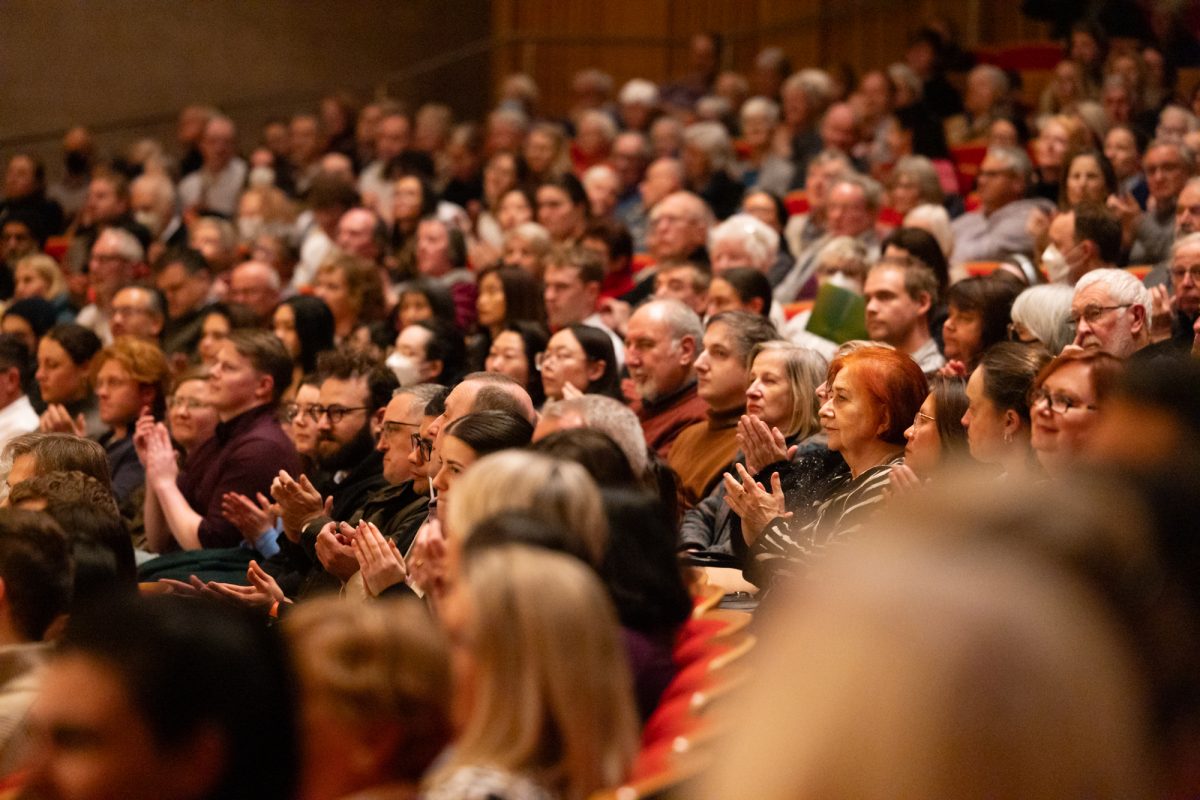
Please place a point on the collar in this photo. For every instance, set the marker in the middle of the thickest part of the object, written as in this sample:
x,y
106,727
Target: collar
x,y
653,407
242,422
721,420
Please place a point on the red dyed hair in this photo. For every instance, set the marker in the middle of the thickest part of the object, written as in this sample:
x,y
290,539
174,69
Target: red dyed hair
x,y
894,380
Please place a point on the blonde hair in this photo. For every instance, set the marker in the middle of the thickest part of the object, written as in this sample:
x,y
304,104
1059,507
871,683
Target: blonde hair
x,y
382,663
554,698
560,492
48,270
804,369
944,664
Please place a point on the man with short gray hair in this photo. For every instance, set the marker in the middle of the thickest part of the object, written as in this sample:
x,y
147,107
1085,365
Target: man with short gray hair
x,y
1111,313
662,341
114,256
1000,227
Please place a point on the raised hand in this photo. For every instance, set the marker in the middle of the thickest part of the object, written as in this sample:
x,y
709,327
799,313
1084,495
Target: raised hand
x,y
753,503
56,419
252,518
335,550
760,444
299,503
379,560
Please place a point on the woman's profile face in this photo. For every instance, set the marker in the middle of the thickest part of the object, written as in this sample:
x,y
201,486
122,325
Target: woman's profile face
x,y
490,304
302,429
284,326
213,332
333,289
514,210
769,396
984,422
851,416
923,448
456,456
414,307
60,379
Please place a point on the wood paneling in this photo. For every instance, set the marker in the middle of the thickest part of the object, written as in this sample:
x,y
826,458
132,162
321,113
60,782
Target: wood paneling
x,y
551,39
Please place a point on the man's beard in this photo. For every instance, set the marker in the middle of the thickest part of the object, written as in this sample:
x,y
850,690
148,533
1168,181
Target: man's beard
x,y
348,455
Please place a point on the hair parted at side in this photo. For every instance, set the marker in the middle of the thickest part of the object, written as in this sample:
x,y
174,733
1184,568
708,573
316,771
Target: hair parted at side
x,y
893,379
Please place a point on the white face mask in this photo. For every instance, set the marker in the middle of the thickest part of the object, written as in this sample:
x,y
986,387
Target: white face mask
x,y
1055,264
404,368
261,176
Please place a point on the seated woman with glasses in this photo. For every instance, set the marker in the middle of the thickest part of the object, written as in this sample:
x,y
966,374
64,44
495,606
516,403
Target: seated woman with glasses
x,y
579,359
937,438
1066,405
191,418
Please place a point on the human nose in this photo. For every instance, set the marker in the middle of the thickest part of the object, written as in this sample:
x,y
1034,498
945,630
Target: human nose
x,y
826,409
910,432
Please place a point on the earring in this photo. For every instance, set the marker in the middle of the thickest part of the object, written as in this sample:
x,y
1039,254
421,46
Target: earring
x,y
1008,437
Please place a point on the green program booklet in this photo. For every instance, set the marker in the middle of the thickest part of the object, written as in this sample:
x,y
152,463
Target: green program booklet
x,y
838,314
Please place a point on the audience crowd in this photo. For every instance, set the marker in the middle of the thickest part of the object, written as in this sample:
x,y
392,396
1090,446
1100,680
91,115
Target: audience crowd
x,y
389,457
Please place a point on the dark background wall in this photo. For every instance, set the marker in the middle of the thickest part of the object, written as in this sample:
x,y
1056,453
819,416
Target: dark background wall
x,y
125,67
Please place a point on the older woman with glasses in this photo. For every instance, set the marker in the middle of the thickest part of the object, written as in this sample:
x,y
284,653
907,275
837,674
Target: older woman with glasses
x,y
1065,404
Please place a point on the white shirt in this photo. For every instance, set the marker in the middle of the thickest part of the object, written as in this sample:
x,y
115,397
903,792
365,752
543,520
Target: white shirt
x,y
215,191
97,321
16,418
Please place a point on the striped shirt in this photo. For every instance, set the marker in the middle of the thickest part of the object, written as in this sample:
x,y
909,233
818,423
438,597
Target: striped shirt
x,y
784,553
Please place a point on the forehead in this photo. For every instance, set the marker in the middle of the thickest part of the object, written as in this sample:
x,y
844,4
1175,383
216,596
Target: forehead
x,y
1164,154
1190,194
718,333
194,388
509,339
340,388
562,274
847,192
646,323
133,294
415,336
1187,255
1071,375
400,407
564,338
885,277
1092,294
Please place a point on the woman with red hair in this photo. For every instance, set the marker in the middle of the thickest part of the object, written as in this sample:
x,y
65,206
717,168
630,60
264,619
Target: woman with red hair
x,y
873,395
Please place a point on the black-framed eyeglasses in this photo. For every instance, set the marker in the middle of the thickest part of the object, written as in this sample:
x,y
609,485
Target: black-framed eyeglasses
x,y
423,446
336,413
391,427
1058,403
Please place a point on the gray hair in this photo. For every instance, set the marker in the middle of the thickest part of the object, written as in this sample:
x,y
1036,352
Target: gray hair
x,y
597,170
1185,152
817,86
422,392
611,417
532,234
516,118
223,227
770,58
759,239
602,120
748,330
160,185
713,140
1046,310
762,107
902,74
1191,240
1014,157
920,169
681,320
1123,288
845,248
934,219
638,91
592,80
130,248
872,191
997,78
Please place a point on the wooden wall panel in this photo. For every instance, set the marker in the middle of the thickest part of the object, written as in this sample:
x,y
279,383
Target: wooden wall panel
x,y
649,38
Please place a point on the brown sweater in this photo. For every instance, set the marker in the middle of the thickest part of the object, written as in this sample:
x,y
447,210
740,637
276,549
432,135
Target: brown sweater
x,y
702,451
663,419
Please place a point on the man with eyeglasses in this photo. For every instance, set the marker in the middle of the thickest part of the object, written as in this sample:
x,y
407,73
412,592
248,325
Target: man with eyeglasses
x,y
111,265
1111,313
355,391
1185,286
999,228
1187,221
1168,165
137,311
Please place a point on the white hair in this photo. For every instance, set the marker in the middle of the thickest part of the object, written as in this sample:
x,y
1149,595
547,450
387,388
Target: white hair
x,y
1046,310
1123,288
760,241
598,170
532,234
770,58
761,107
611,417
510,116
127,244
816,84
902,74
713,140
638,91
935,220
1014,157
713,107
603,121
681,321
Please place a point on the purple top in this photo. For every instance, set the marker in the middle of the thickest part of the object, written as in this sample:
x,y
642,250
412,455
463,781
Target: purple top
x,y
244,455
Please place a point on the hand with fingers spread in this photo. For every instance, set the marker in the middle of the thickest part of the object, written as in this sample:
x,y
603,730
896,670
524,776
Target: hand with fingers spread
x,y
252,518
760,444
56,419
335,549
379,560
1162,312
753,503
299,503
180,588
262,593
